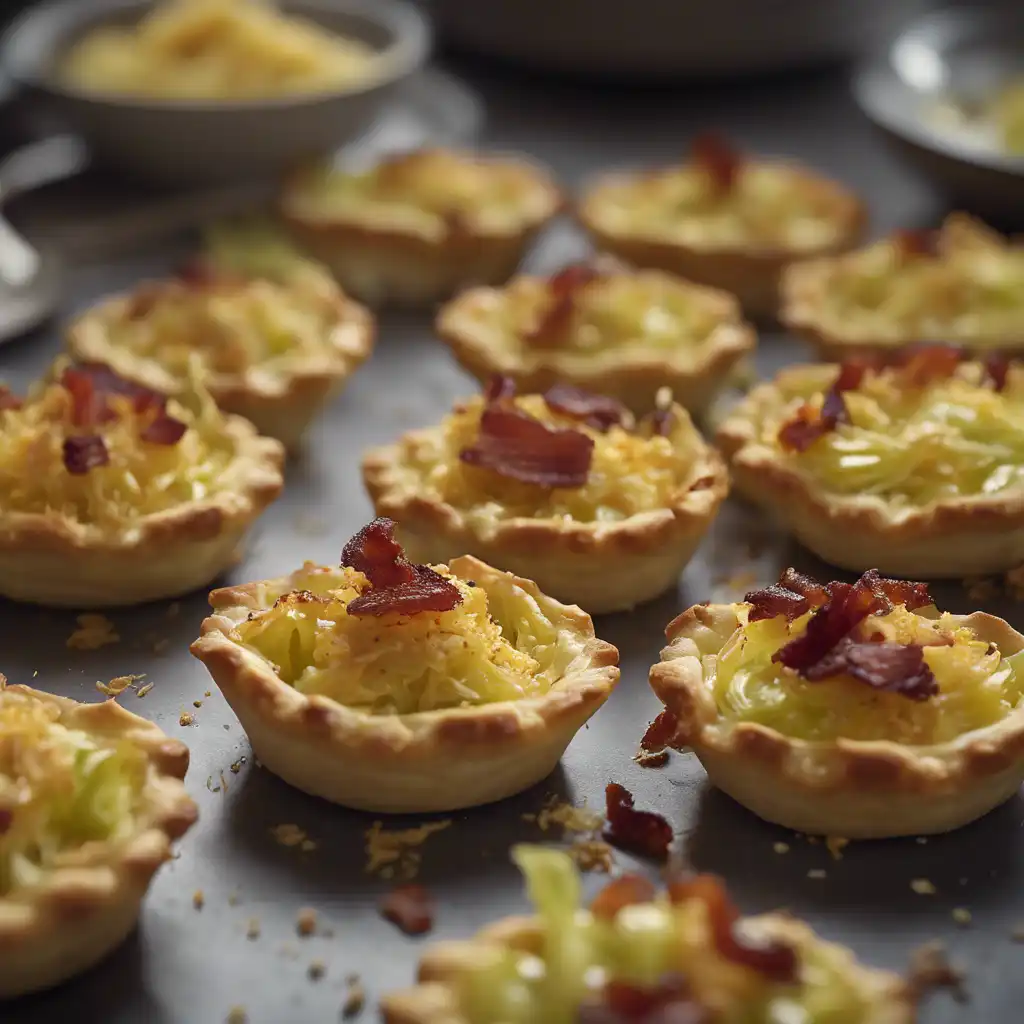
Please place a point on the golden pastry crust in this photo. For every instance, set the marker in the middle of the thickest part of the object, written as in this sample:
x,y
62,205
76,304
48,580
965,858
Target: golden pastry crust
x,y
963,266
851,788
749,264
281,396
52,557
605,566
435,1000
488,331
82,911
425,223
951,537
439,760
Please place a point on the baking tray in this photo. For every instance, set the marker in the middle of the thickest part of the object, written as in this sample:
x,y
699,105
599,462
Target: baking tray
x,y
192,966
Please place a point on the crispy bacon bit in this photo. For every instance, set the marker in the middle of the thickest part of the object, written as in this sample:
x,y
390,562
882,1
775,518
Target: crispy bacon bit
x,y
640,832
92,384
996,368
564,287
396,584
597,411
499,388
410,908
924,364
718,158
84,452
905,592
660,732
771,958
916,242
896,668
515,445
624,891
6,819
164,430
8,399
794,595
669,1002
807,424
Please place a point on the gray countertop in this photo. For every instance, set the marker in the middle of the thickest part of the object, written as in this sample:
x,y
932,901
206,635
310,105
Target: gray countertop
x,y
190,966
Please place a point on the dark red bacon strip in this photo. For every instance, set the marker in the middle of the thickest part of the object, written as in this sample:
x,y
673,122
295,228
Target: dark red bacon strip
x,y
84,452
375,553
794,595
997,370
896,668
597,411
660,732
163,430
91,385
640,832
515,445
922,365
410,908
808,423
563,291
499,389
718,158
6,819
916,242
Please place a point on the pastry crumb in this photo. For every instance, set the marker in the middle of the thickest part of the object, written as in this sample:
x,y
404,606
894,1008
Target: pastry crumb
x,y
567,816
394,853
290,834
252,929
305,922
1017,933
198,899
355,998
316,970
781,848
236,766
836,845
307,845
930,969
237,1015
817,873
651,759
186,718
197,703
233,899
118,685
143,690
923,886
592,855
962,916
92,632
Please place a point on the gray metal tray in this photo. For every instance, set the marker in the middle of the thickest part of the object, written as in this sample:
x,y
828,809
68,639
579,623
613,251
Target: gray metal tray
x,y
190,966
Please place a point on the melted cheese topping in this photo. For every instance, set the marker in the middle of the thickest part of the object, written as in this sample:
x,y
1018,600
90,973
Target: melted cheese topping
x,y
771,205
578,954
60,789
216,50
914,446
971,293
1008,112
494,646
629,473
231,326
140,478
428,193
977,686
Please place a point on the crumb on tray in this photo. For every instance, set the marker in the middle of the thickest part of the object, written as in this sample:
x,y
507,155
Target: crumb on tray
x,y
355,998
930,969
198,899
119,684
92,632
186,718
394,853
923,886
305,922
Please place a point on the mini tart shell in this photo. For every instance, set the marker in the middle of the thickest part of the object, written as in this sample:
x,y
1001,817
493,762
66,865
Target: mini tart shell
x,y
281,406
435,999
694,373
751,272
441,760
603,567
80,914
50,560
388,265
850,788
952,538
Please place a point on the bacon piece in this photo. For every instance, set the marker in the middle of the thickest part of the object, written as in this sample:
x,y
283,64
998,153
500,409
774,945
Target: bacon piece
x,y
563,290
515,445
92,384
375,553
624,891
640,832
660,732
794,595
803,585
913,595
896,668
718,158
6,819
164,430
771,958
499,388
996,368
916,242
410,908
807,424
924,364
84,452
597,411
671,1001
8,399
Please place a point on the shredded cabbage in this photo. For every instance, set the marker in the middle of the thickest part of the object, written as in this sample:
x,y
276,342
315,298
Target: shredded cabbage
x,y
1009,115
258,247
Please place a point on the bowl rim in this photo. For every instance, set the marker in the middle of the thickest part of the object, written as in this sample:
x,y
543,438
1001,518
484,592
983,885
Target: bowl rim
x,y
404,55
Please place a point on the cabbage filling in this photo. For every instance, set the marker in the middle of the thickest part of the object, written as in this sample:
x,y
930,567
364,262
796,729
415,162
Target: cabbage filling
x,y
494,646
258,247
578,954
914,446
140,478
61,789
977,685
1008,112
630,473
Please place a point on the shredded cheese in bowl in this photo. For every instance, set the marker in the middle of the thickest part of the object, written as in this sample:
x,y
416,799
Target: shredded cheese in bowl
x,y
493,646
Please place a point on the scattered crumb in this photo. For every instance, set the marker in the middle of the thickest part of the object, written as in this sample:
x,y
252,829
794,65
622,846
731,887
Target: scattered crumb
x,y
198,899
93,631
567,816
219,787
143,690
921,840
355,998
173,609
836,845
233,899
781,847
291,835
206,693
930,969
922,886
236,766
186,718
1017,933
290,950
817,873
307,845
197,703
305,922
651,759
410,908
393,853
962,916
592,855
252,929
118,685
316,970
237,1015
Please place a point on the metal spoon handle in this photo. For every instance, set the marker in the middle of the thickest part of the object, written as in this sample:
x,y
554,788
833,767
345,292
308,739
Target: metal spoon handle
x,y
19,262
41,163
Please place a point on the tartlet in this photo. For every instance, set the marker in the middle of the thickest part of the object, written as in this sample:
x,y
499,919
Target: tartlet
x,y
112,494
90,800
419,226
722,219
852,710
962,284
604,328
683,954
915,467
274,348
565,488
395,687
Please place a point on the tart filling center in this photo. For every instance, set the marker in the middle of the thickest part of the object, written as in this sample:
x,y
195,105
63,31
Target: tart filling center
x,y
865,661
387,637
60,790
636,953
